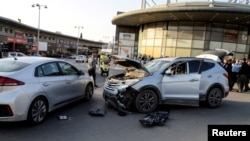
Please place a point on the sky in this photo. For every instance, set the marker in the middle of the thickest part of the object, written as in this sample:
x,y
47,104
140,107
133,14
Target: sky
x,y
63,16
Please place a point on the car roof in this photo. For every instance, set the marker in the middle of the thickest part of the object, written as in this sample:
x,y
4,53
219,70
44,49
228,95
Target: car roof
x,y
31,59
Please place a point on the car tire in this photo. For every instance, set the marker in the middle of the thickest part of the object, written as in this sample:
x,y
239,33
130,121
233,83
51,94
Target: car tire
x,y
214,97
88,92
146,101
38,111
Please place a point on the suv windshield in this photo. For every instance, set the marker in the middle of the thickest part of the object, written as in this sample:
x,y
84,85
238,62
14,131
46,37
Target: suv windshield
x,y
155,65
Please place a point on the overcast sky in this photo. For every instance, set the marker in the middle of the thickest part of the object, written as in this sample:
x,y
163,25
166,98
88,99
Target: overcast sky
x,y
63,15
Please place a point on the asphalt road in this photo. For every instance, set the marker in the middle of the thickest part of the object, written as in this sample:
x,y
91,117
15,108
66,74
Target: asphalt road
x,y
184,123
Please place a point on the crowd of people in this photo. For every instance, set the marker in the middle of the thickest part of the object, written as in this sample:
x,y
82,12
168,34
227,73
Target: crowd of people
x,y
238,73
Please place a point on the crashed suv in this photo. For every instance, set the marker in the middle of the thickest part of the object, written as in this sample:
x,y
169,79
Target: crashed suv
x,y
182,80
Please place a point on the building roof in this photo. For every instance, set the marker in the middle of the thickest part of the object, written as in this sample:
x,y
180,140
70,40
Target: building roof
x,y
187,11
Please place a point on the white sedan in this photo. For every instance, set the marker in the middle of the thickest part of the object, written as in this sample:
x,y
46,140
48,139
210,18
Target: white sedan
x,y
30,87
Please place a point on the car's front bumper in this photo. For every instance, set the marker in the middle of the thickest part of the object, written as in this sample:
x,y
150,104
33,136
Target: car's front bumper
x,y
114,97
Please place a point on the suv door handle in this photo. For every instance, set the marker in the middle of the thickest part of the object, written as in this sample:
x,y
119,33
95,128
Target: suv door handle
x,y
192,80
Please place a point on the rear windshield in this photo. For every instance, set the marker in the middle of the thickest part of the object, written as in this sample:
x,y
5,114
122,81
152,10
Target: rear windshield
x,y
10,66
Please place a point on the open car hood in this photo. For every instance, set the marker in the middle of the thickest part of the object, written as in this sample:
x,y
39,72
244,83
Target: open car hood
x,y
217,54
128,63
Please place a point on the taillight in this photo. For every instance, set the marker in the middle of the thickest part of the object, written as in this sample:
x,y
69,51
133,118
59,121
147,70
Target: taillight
x,y
226,75
5,81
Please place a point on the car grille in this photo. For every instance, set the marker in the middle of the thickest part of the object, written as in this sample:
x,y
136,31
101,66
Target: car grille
x,y
111,86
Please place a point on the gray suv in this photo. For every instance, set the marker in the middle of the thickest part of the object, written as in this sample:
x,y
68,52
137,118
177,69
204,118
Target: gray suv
x,y
183,80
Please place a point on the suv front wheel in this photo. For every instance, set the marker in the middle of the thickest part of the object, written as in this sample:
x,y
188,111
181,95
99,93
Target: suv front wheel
x,y
146,101
214,97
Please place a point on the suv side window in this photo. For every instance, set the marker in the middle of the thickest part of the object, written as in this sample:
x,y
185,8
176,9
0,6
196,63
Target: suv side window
x,y
194,66
207,65
178,68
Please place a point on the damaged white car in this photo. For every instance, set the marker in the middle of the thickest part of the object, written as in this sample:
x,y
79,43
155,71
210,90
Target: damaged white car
x,y
183,80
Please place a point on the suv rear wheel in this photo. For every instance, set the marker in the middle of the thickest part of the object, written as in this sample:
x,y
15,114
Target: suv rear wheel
x,y
214,97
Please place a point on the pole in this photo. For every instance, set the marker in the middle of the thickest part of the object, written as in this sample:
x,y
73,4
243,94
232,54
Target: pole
x,y
38,31
78,34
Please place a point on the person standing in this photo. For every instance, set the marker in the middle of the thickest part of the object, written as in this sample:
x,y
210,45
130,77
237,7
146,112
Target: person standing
x,y
243,77
228,67
92,61
235,71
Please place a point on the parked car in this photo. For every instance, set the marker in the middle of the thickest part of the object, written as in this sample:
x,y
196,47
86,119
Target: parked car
x,y
16,54
181,80
81,58
72,56
31,87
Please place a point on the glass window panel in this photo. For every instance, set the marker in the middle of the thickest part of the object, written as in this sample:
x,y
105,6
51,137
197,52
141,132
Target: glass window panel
x,y
150,33
184,43
157,52
149,50
241,48
239,55
242,39
199,35
158,42
229,46
198,44
186,26
170,52
231,29
243,30
142,50
196,52
185,34
172,34
144,42
150,42
172,25
217,27
214,45
229,37
200,26
171,42
159,32
216,36
180,52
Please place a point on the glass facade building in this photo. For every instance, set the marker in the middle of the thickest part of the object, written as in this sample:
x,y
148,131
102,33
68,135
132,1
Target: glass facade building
x,y
183,39
184,29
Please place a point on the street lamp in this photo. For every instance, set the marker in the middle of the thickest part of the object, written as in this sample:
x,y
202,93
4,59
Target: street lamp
x,y
78,27
38,30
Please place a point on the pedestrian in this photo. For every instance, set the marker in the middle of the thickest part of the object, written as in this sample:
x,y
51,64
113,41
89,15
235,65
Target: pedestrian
x,y
92,67
235,71
243,77
227,65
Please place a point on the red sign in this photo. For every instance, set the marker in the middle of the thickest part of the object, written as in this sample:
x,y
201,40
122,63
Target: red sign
x,y
17,40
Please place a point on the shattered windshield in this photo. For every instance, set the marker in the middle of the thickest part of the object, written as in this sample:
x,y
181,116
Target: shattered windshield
x,y
155,65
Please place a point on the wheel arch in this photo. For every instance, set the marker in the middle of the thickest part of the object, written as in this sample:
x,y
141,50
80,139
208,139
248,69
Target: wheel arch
x,y
155,89
203,97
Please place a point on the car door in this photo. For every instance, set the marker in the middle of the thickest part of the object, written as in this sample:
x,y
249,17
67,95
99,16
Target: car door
x,y
182,85
75,82
53,82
